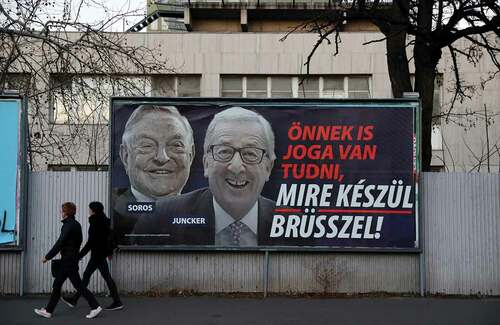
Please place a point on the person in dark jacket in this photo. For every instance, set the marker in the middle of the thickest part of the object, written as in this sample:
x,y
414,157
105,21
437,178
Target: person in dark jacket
x,y
68,245
98,244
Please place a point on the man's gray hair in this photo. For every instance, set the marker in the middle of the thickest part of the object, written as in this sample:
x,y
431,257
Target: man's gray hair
x,y
240,114
142,110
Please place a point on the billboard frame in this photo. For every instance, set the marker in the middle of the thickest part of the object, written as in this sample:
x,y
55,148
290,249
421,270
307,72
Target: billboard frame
x,y
379,103
22,191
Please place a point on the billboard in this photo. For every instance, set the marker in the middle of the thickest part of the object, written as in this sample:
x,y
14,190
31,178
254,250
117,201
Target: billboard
x,y
265,174
12,164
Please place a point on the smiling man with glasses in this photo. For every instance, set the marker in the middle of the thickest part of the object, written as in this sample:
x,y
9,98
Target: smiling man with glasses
x,y
238,159
236,180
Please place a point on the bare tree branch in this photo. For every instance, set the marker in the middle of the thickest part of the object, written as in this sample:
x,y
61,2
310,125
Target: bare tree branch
x,y
70,68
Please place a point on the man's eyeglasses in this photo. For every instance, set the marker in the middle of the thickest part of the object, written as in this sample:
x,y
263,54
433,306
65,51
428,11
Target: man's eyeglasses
x,y
225,153
150,148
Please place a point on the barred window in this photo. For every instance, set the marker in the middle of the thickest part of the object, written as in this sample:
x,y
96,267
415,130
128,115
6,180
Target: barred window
x,y
282,86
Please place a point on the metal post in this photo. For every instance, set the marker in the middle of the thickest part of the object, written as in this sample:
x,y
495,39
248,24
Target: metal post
x,y
422,274
422,266
21,275
266,272
24,209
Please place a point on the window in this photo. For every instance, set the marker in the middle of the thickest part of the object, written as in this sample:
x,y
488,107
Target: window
x,y
438,97
358,87
281,87
173,24
332,86
175,86
163,86
85,99
16,82
79,168
257,87
231,86
188,86
309,88
436,136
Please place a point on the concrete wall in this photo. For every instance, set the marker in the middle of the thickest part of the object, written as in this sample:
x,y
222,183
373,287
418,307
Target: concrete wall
x,y
210,55
464,132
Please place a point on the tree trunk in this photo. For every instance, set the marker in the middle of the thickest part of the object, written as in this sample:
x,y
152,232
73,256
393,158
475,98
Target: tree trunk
x,y
395,33
397,63
427,55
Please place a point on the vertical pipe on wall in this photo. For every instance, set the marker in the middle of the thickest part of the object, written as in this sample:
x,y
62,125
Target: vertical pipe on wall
x,y
422,267
421,220
21,275
265,272
422,273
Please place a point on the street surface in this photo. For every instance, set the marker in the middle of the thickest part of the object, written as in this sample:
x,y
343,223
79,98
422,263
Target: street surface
x,y
209,310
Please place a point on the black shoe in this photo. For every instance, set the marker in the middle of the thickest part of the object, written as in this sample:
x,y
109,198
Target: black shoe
x,y
114,306
69,301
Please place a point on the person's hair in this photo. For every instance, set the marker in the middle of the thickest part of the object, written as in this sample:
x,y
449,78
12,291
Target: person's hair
x,y
142,110
97,207
241,115
69,208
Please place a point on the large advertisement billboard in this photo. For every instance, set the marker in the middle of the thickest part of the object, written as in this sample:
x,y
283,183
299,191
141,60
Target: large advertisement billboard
x,y
12,164
265,174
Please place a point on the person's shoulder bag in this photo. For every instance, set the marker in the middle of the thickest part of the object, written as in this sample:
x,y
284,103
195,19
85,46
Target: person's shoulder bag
x,y
55,266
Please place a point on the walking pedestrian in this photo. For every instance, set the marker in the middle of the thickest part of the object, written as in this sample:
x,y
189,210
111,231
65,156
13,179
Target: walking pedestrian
x,y
68,245
100,247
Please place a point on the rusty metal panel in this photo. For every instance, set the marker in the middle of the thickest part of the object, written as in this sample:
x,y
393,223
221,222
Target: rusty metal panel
x,y
47,191
343,273
161,272
10,272
462,233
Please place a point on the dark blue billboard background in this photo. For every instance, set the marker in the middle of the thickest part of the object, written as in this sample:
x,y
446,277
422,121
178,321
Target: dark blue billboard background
x,y
372,145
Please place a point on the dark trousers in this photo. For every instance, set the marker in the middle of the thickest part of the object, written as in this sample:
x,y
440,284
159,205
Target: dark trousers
x,y
101,264
69,270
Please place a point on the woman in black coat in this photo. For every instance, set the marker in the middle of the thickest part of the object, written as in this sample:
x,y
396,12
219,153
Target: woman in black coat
x,y
99,245
68,246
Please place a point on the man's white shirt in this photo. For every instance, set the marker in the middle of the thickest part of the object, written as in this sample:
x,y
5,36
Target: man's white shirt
x,y
224,219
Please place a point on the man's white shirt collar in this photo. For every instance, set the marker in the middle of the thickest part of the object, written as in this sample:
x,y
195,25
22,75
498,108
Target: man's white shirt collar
x,y
223,219
140,197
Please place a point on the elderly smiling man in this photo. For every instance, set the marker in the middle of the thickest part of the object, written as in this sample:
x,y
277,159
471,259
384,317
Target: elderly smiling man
x,y
157,151
238,159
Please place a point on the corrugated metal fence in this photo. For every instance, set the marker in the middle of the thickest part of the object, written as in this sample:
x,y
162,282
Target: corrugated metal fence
x,y
461,238
462,233
10,272
47,190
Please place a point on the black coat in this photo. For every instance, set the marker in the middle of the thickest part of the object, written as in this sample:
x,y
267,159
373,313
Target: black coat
x,y
69,241
98,242
123,221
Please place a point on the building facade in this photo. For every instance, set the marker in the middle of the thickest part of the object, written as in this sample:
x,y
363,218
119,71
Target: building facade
x,y
244,49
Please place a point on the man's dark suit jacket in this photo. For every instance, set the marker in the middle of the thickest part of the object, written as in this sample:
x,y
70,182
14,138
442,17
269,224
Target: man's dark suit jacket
x,y
196,204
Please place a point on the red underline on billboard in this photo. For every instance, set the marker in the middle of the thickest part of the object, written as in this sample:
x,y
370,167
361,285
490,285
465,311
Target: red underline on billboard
x,y
350,211
287,210
367,211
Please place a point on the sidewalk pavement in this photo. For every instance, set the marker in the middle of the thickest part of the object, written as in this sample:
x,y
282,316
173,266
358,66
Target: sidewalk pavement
x,y
209,310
